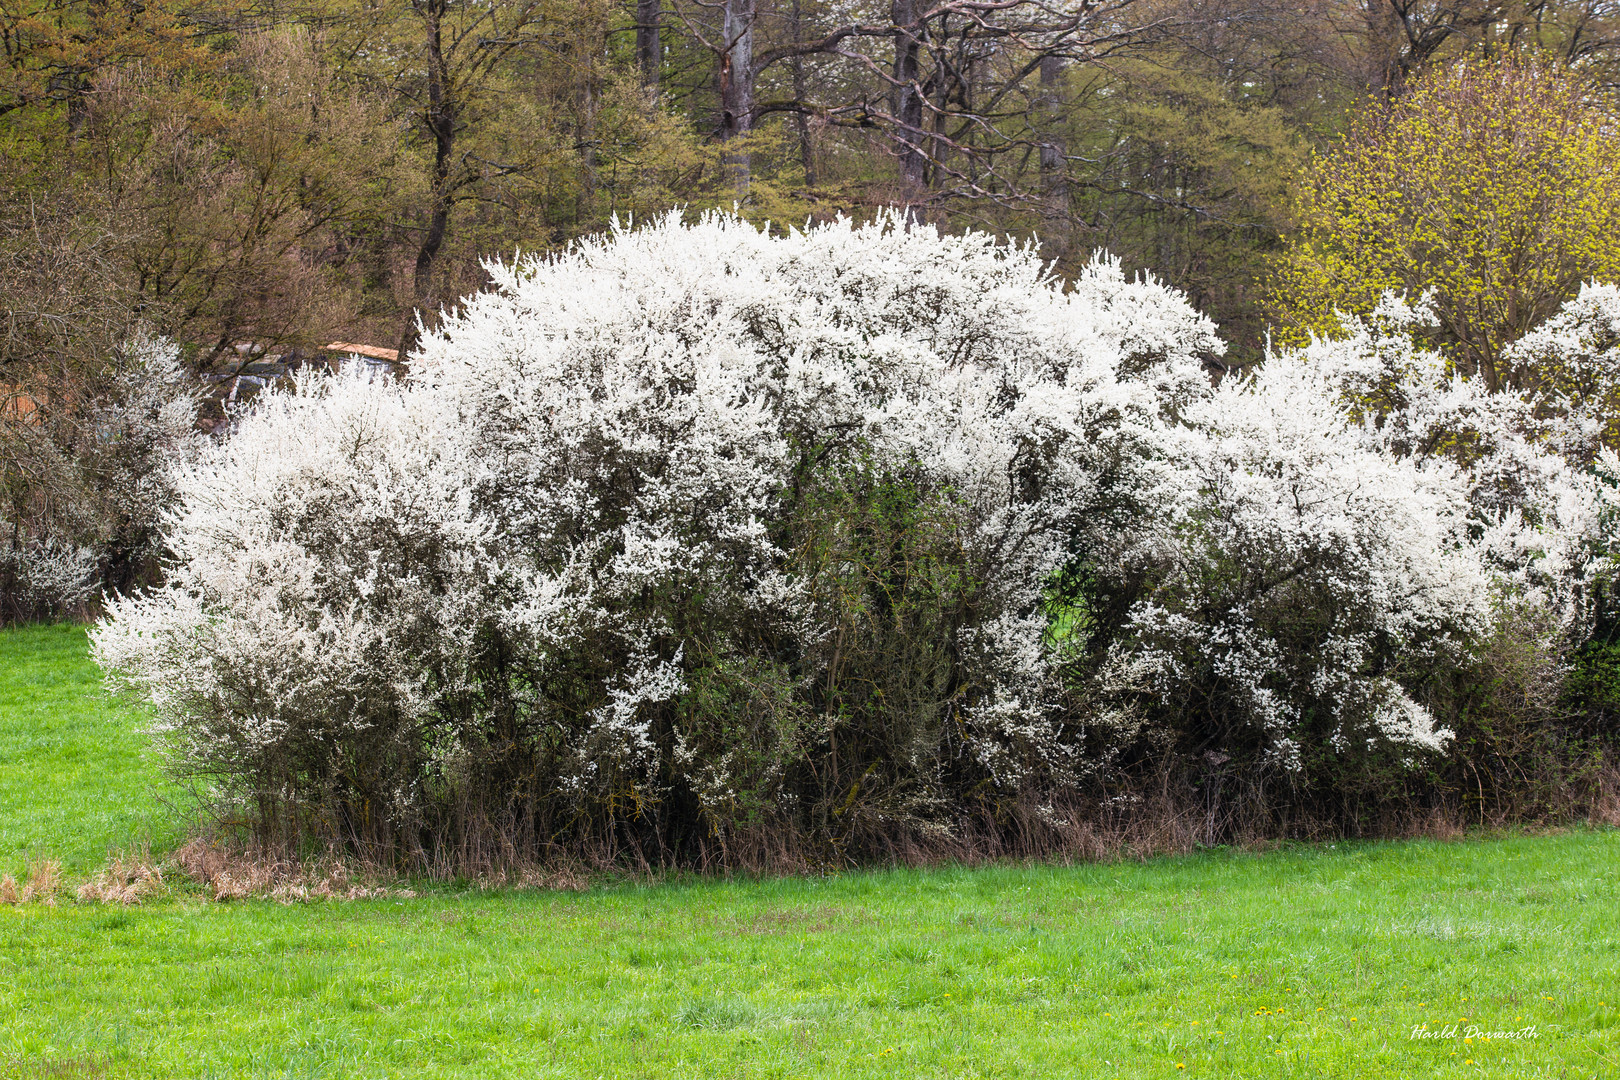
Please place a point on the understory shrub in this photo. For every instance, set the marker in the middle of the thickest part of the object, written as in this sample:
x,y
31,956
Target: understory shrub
x,y
701,545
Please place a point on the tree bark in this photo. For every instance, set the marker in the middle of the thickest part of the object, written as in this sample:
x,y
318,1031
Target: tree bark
x,y
906,97
649,49
1054,171
737,89
1047,99
440,120
801,123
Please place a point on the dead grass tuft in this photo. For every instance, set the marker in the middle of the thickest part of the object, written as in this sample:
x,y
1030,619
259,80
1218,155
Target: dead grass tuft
x,y
40,885
44,882
126,879
243,873
47,1066
562,878
1440,825
1606,804
236,872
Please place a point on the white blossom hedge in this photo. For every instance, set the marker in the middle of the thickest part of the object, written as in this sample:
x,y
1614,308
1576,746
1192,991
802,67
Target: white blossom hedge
x,y
698,538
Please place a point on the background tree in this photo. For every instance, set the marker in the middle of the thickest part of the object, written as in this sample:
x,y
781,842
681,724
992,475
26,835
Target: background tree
x,y
443,64
238,192
1497,186
53,49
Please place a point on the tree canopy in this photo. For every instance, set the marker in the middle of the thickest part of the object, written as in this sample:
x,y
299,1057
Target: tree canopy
x,y
1495,185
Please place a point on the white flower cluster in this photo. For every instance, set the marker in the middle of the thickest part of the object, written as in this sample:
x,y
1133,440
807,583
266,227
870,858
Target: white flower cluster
x,y
312,552
1568,370
1354,515
1539,489
1298,575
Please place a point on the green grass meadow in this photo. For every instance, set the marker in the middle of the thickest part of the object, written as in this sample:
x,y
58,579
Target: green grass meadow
x,y
76,777
1307,961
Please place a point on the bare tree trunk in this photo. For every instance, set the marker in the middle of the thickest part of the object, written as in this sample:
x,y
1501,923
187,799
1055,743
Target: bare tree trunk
x,y
1054,173
906,95
1047,104
590,107
1383,49
945,79
737,89
440,120
801,123
649,49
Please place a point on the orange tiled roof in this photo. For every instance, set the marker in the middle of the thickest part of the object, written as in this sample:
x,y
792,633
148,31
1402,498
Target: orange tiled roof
x,y
364,350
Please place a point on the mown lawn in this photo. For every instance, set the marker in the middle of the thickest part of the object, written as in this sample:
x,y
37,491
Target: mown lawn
x,y
1307,961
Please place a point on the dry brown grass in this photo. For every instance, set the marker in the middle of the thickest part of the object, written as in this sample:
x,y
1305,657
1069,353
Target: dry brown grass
x,y
41,884
1606,804
236,873
128,878
48,1066
1440,825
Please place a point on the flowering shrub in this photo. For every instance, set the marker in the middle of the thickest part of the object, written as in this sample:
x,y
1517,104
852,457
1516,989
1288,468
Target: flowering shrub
x,y
695,538
1568,369
1540,477
1301,584
1355,550
329,578
84,471
1539,484
690,517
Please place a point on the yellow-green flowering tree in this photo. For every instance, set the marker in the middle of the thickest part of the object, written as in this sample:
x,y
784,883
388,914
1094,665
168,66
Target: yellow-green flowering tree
x,y
1496,185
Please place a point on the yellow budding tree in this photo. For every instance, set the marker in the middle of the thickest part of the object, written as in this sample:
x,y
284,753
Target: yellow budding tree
x,y
1494,184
